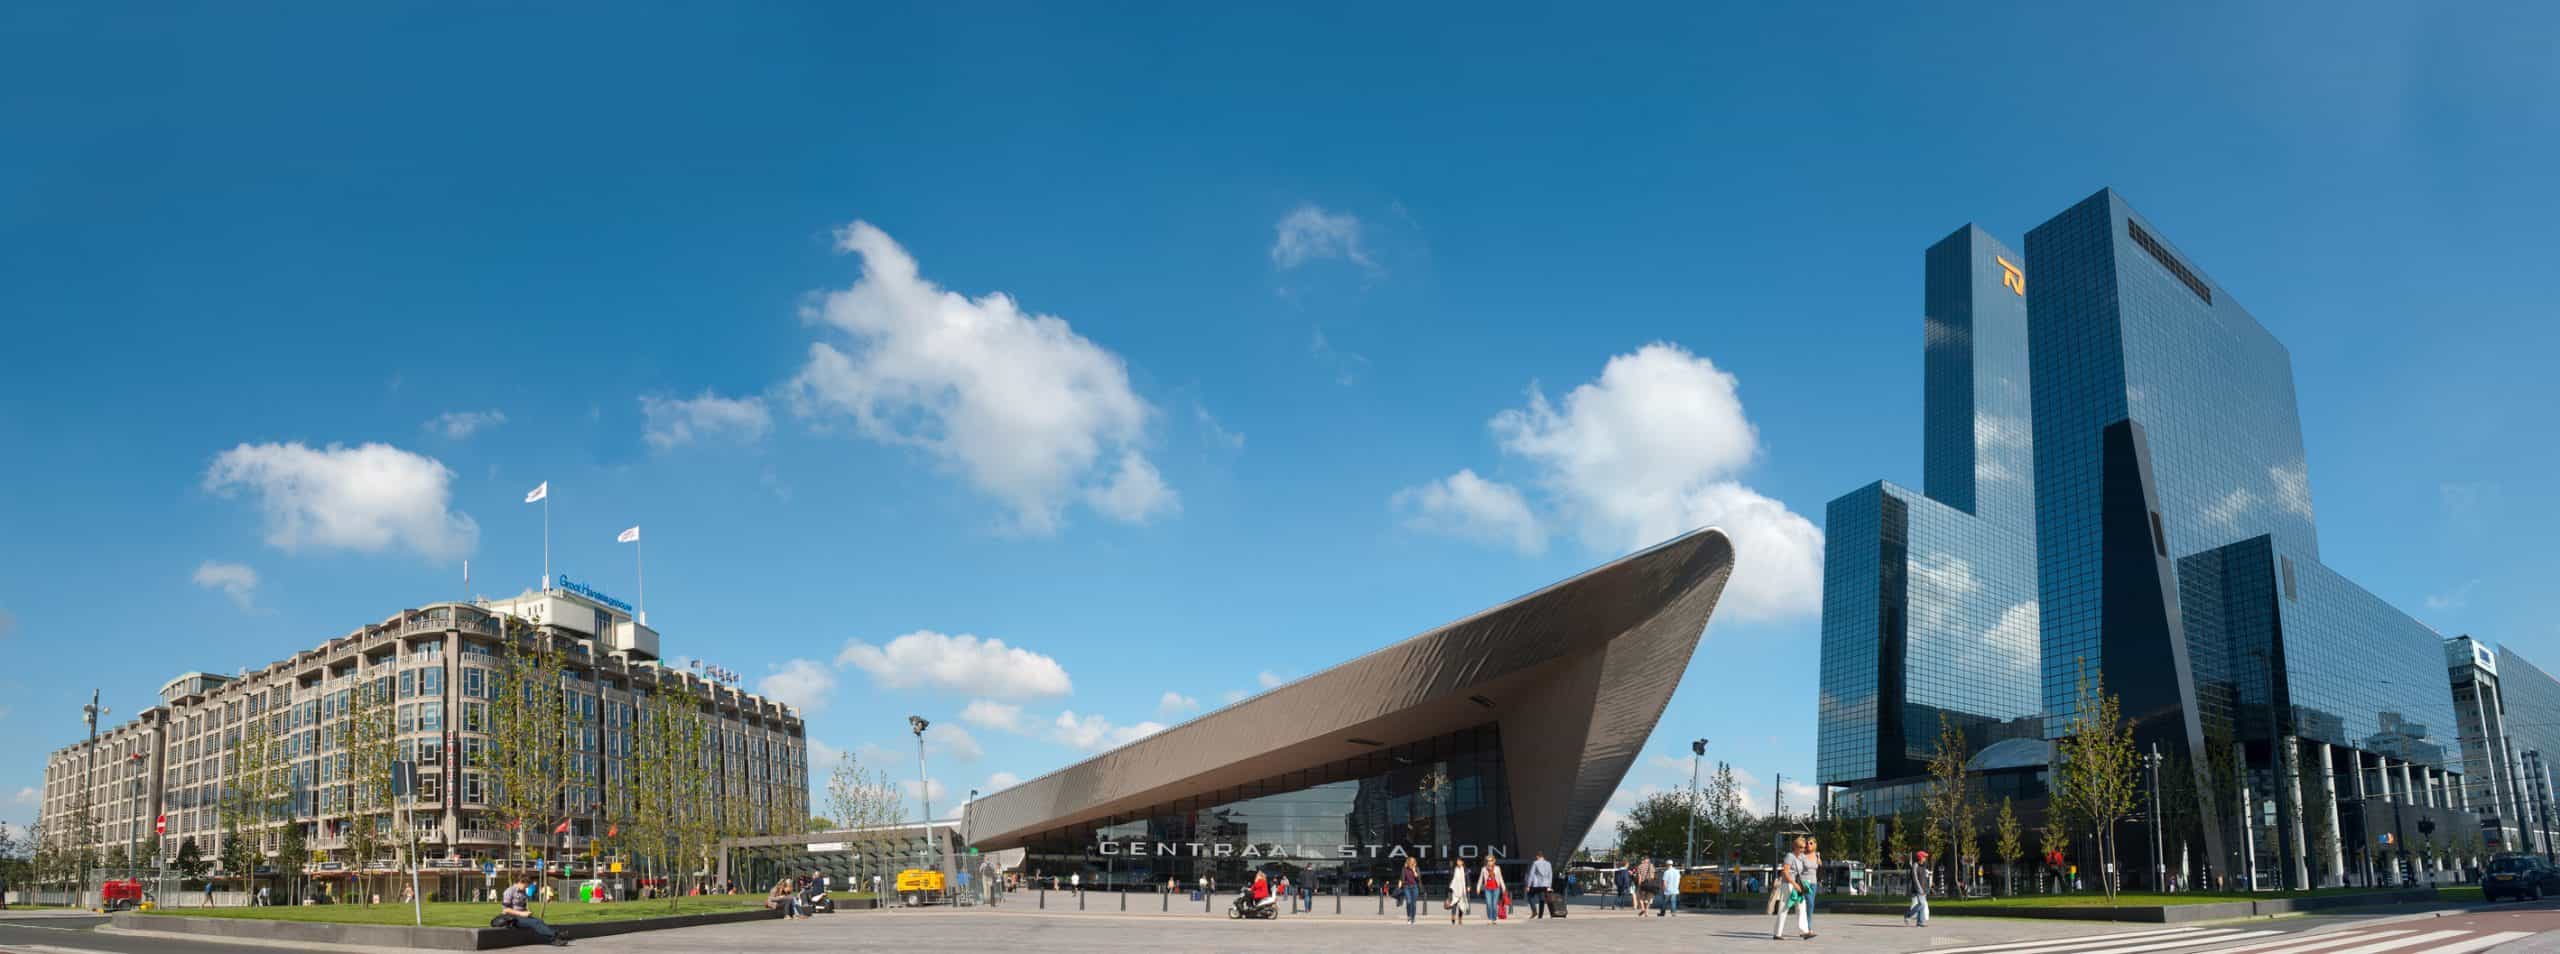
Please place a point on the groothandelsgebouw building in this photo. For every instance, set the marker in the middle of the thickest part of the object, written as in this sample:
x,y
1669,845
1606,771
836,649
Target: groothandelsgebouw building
x,y
442,659
2115,485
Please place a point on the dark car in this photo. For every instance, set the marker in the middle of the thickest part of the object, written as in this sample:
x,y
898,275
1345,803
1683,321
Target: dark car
x,y
2522,877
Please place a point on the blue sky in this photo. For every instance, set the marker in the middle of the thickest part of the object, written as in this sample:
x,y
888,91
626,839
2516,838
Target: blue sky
x,y
1235,343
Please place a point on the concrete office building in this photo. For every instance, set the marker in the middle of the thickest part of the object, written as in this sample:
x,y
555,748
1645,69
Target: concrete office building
x,y
441,662
2530,711
1497,736
2491,765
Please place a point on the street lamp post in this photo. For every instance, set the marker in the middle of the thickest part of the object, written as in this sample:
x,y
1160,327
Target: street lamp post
x,y
2159,855
88,783
924,782
1689,849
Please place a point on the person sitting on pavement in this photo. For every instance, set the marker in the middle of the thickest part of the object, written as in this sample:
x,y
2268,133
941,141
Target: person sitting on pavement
x,y
513,912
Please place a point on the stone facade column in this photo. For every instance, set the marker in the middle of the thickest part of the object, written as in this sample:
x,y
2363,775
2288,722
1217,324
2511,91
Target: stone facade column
x,y
2337,835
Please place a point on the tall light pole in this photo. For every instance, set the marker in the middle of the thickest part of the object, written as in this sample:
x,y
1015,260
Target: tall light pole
x,y
2159,857
88,782
924,783
1689,851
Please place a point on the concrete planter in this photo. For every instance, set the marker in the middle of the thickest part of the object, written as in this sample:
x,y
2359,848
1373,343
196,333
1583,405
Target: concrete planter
x,y
401,935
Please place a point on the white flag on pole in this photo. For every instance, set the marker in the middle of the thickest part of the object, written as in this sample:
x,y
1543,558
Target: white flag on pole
x,y
629,536
539,493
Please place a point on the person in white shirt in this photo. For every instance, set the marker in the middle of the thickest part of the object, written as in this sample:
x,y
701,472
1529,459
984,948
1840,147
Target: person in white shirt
x,y
1670,902
1458,892
1491,882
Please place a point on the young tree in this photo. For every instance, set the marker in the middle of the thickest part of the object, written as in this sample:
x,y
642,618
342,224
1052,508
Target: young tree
x,y
2095,778
293,858
859,797
2012,844
2317,833
371,740
1949,798
1898,841
529,724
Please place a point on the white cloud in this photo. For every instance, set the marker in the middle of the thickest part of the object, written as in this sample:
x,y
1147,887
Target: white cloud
x,y
675,422
1233,696
1135,494
457,425
962,663
27,796
2229,511
1175,703
801,684
1310,234
822,760
1348,366
1218,433
1269,679
1000,781
1093,733
932,787
2457,599
987,714
1030,412
1655,447
368,498
236,580
953,741
1471,507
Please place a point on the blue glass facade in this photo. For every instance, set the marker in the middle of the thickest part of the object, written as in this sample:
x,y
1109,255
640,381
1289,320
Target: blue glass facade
x,y
1929,603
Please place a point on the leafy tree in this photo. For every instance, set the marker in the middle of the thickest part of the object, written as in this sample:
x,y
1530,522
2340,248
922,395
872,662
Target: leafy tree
x,y
116,862
253,793
191,863
859,797
2012,844
1657,826
293,858
371,741
2095,778
529,724
2317,832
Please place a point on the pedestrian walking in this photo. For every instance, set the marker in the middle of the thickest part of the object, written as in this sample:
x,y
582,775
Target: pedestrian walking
x,y
1645,885
1489,880
1542,879
1457,902
1409,887
1623,886
1918,913
1668,903
1813,875
1791,874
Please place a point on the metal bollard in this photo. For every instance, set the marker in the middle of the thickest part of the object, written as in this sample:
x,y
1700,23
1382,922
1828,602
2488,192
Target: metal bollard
x,y
1079,899
1044,897
1166,904
1382,905
1124,899
1337,899
1204,901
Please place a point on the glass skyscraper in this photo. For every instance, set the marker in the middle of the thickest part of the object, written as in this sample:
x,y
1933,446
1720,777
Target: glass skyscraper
x,y
2178,561
1929,602
2116,493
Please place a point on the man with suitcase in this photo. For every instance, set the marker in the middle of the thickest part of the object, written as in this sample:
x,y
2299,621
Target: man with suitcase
x,y
1542,878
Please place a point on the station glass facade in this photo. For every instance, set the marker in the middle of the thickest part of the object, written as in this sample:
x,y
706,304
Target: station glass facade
x,y
1347,825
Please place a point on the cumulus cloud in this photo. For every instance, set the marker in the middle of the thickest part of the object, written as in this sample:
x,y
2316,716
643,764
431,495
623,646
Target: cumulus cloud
x,y
457,425
800,684
1093,733
674,422
369,498
945,739
27,796
987,714
1175,703
931,787
1027,410
822,759
1311,234
1655,447
236,580
1002,780
964,663
1470,507
1135,494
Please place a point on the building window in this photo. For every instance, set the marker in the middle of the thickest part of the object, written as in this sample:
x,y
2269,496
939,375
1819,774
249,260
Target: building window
x,y
2160,253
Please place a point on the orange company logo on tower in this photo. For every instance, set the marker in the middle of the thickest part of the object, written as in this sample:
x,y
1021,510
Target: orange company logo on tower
x,y
2010,277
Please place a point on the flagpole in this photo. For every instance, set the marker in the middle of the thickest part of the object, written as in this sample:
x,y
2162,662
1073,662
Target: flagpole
x,y
546,536
640,568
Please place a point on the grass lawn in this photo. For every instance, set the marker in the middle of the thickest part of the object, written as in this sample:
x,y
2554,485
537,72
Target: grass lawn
x,y
2468,892
472,914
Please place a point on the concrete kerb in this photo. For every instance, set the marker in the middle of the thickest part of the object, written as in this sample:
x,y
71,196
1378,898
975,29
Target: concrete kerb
x,y
377,937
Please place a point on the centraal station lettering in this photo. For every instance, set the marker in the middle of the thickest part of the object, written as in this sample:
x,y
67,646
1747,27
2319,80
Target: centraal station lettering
x,y
1228,849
